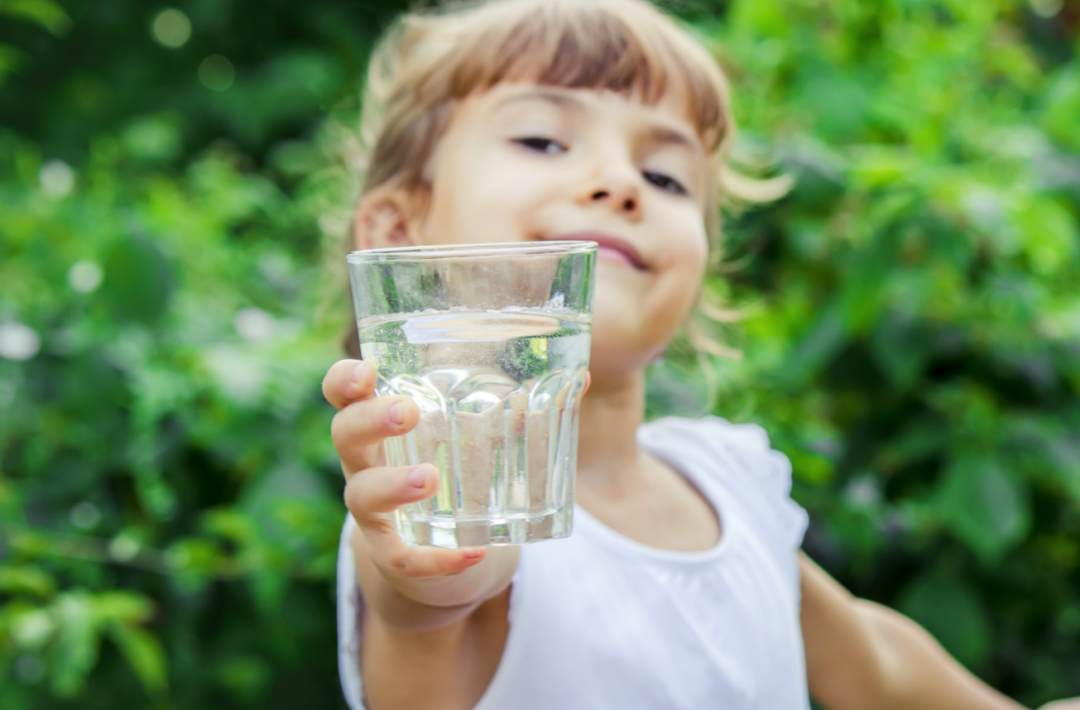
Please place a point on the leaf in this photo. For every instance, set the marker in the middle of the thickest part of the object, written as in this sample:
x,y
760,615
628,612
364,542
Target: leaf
x,y
243,676
923,438
76,647
26,579
901,347
122,607
820,342
144,654
1047,231
819,176
1061,110
983,505
10,60
139,280
953,614
46,13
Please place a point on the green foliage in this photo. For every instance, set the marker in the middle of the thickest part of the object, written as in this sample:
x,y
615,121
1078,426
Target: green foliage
x,y
169,497
913,340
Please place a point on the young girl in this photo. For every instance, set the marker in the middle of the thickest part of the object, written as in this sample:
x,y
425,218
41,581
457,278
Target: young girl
x,y
682,585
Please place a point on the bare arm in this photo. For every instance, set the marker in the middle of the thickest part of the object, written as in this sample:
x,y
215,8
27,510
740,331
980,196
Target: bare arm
x,y
863,656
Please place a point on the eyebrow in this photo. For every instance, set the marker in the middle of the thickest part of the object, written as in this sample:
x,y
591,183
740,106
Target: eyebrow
x,y
658,133
673,136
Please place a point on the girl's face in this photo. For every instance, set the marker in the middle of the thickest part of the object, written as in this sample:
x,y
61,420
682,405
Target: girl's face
x,y
524,162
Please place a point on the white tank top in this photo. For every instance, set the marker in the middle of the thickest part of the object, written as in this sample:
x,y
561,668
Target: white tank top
x,y
600,621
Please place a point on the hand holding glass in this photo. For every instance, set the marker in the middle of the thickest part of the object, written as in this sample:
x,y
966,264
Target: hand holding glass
x,y
492,343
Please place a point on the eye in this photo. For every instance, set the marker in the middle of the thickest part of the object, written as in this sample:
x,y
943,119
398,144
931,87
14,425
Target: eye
x,y
539,144
666,183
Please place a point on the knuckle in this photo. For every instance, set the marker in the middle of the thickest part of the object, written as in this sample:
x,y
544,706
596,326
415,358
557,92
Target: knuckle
x,y
400,564
381,526
350,429
333,375
354,497
339,429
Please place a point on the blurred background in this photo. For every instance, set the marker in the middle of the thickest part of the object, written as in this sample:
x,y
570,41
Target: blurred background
x,y
173,191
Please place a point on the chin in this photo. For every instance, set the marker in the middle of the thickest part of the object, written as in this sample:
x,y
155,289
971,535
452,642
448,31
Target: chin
x,y
622,345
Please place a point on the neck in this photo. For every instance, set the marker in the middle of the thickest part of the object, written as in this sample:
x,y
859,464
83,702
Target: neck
x,y
608,460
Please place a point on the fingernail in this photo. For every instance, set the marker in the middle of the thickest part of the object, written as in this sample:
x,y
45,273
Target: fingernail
x,y
472,554
395,414
416,477
358,371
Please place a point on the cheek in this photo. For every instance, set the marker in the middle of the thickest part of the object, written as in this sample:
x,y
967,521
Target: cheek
x,y
684,269
482,200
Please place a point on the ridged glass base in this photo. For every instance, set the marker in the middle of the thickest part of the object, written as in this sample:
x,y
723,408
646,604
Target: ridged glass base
x,y
479,533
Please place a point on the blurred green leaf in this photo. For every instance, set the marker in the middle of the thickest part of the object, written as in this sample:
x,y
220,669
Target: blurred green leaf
x,y
243,676
10,60
26,579
144,654
139,280
952,613
121,607
1048,233
76,647
46,13
1061,109
983,505
901,346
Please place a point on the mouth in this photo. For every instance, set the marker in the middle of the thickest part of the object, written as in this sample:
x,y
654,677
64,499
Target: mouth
x,y
609,248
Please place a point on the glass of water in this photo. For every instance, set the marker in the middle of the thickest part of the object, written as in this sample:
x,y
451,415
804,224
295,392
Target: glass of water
x,y
492,343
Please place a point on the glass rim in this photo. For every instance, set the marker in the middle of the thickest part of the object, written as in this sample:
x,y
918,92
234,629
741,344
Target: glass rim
x,y
450,251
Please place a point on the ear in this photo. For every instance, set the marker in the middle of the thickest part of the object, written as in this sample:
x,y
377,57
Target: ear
x,y
383,219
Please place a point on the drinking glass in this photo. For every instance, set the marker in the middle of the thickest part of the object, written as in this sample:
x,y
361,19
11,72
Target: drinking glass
x,y
492,343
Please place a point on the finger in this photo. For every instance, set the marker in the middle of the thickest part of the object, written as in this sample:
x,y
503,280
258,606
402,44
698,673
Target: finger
x,y
371,497
377,491
588,381
395,558
360,425
348,381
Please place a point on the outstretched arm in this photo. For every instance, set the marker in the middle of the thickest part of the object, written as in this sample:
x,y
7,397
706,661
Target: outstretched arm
x,y
864,656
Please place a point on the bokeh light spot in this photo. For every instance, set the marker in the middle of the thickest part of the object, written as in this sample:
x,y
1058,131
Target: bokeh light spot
x,y
84,515
171,28
18,341
84,276
1046,8
254,324
56,178
216,73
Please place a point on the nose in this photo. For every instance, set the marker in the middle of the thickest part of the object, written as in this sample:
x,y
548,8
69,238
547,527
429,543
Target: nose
x,y
616,190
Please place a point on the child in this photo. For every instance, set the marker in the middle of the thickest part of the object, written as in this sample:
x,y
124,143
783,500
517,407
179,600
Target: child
x,y
682,585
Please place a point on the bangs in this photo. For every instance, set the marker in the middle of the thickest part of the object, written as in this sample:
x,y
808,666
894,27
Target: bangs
x,y
633,49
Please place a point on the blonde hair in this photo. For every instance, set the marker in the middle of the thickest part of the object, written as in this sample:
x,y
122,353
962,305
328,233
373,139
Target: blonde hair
x,y
428,60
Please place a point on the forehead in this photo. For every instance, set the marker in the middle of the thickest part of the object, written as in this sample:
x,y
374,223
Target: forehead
x,y
667,116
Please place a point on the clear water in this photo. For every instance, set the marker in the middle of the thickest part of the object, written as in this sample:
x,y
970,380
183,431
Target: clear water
x,y
498,393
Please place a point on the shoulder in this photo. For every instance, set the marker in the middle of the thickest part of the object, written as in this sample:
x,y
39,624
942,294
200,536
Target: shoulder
x,y
743,449
739,459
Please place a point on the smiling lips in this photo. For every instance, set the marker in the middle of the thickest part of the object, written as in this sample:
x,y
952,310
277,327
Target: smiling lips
x,y
610,248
